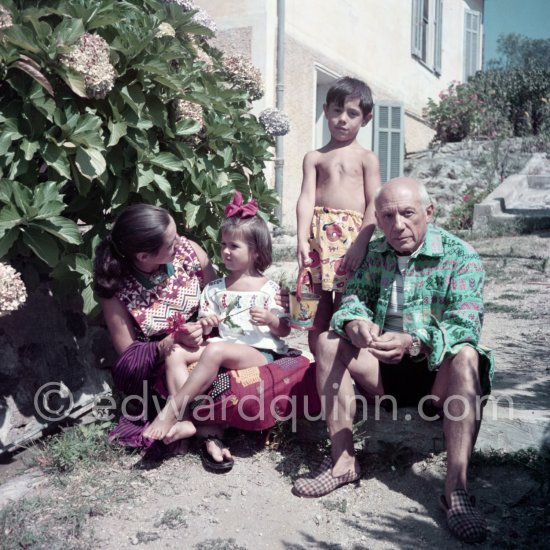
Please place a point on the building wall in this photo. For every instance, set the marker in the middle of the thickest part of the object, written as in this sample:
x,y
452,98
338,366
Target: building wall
x,y
369,39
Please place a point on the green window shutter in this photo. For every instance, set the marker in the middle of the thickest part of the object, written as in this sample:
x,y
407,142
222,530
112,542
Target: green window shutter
x,y
438,35
417,28
389,143
472,20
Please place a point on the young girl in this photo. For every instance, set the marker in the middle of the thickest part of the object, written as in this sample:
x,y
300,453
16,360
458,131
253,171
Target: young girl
x,y
243,308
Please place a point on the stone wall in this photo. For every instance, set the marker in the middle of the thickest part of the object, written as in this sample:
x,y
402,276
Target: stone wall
x,y
53,361
456,169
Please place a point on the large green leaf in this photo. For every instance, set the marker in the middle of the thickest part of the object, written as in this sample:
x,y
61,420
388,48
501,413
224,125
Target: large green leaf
x,y
191,211
76,263
33,72
168,161
90,307
7,239
48,193
74,80
17,36
5,190
29,148
69,31
43,103
187,127
60,227
144,176
163,184
90,162
56,157
10,217
21,197
117,129
133,96
42,244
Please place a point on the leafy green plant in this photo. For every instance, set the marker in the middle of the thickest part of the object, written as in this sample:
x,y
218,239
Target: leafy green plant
x,y
462,215
105,103
173,518
456,116
514,102
79,446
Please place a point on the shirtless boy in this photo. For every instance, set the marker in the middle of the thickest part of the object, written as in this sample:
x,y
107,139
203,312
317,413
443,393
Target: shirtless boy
x,y
335,210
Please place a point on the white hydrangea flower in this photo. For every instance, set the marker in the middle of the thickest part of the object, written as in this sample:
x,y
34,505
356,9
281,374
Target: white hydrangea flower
x,y
90,57
13,293
187,5
200,18
165,29
275,122
5,18
244,75
188,109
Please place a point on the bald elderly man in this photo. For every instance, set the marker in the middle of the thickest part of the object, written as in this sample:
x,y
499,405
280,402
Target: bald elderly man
x,y
408,327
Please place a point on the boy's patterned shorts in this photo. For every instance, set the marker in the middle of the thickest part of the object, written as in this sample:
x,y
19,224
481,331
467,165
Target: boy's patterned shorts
x,y
332,233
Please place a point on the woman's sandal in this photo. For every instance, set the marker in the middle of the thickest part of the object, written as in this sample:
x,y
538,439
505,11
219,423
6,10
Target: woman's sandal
x,y
208,462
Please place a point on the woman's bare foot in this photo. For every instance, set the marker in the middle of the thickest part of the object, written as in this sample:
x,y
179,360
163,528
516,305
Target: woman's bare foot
x,y
160,425
217,454
180,430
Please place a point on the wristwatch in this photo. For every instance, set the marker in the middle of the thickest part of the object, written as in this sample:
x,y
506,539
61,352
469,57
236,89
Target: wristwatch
x,y
414,350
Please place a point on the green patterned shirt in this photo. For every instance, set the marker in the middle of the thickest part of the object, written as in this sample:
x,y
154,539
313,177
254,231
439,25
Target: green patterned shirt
x,y
443,295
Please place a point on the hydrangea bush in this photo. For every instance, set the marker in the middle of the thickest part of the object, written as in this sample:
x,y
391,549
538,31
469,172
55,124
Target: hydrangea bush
x,y
104,103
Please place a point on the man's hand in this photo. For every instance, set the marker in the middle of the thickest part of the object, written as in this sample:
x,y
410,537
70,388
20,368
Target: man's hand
x,y
354,256
391,347
362,332
190,335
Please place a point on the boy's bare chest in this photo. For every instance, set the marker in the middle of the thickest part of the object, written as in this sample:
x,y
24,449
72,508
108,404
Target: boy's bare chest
x,y
340,167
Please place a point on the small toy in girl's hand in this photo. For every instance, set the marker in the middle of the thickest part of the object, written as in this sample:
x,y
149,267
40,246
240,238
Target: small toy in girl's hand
x,y
176,323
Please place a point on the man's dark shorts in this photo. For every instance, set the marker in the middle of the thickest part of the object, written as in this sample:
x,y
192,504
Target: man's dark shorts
x,y
408,381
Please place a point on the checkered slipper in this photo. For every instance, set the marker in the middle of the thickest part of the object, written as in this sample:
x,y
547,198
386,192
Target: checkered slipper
x,y
321,482
463,520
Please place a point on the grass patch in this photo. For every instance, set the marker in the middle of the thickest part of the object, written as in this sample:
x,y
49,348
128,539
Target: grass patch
x,y
491,307
172,519
338,505
77,447
39,523
510,296
89,477
535,461
219,544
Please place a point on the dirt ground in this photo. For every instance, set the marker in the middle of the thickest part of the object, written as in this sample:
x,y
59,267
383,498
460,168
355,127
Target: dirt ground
x,y
177,504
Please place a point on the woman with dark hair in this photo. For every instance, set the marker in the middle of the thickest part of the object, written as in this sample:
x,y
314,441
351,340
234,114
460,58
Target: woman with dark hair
x,y
149,281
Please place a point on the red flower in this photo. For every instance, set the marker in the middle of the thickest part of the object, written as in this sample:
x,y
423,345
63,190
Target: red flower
x,y
176,322
466,198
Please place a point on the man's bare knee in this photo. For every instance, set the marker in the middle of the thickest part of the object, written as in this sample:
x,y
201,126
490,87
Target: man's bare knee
x,y
327,348
465,364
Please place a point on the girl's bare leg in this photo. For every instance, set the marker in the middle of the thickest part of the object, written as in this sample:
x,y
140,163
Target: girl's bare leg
x,y
231,356
176,362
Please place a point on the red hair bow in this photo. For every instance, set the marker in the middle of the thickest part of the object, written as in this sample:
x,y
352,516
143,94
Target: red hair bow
x,y
237,208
